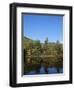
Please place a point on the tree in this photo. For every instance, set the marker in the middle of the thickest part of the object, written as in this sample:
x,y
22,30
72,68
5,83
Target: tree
x,y
58,55
46,41
38,48
45,46
38,44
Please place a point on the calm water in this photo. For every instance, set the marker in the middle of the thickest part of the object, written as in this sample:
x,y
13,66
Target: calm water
x,y
42,70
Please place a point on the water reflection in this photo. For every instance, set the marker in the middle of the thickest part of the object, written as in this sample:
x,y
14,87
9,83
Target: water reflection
x,y
42,65
43,70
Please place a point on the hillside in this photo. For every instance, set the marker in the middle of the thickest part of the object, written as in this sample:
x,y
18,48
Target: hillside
x,y
50,45
27,39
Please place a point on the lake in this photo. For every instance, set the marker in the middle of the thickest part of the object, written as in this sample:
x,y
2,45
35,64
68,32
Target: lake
x,y
43,70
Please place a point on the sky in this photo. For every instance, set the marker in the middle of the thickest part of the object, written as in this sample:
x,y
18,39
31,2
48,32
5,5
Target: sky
x,y
40,27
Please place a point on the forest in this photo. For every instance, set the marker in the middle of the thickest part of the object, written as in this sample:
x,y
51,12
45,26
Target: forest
x,y
37,55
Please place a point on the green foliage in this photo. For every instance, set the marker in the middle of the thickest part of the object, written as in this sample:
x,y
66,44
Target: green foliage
x,y
47,54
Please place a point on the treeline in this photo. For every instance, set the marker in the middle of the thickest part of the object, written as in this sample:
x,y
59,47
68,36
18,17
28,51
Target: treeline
x,y
43,54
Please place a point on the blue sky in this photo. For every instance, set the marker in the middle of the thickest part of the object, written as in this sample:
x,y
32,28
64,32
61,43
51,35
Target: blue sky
x,y
39,27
